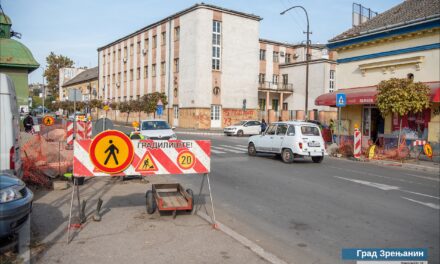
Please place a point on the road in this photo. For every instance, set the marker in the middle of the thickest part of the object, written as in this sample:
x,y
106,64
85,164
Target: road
x,y
306,212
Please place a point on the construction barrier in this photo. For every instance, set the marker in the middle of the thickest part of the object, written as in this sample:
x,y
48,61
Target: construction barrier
x,y
357,144
69,133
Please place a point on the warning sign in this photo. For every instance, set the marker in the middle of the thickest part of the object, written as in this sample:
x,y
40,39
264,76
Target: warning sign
x,y
186,160
48,120
111,151
146,164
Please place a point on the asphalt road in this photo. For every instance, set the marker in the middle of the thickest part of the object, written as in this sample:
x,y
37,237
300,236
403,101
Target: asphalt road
x,y
306,212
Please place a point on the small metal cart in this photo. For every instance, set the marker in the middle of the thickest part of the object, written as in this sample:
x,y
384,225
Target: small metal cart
x,y
169,197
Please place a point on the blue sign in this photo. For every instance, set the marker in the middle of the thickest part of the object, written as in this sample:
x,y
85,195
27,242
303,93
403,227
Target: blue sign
x,y
341,100
382,254
159,110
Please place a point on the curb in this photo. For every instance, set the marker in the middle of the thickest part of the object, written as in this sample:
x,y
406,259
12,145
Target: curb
x,y
244,241
395,164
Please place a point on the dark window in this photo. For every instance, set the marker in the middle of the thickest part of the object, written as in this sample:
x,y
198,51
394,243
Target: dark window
x,y
291,130
271,130
281,129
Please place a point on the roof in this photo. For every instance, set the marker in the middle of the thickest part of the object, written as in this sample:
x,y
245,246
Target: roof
x,y
178,14
4,19
406,13
290,64
14,54
316,45
367,95
295,122
85,76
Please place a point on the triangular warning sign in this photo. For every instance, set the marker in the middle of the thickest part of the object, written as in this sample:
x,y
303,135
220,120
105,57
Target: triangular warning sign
x,y
146,164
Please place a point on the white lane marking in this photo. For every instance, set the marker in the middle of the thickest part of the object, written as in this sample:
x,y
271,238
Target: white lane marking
x,y
226,149
232,147
424,177
243,146
430,205
422,194
381,186
217,151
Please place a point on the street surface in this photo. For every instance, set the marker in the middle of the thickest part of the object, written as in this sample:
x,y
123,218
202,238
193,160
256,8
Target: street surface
x,y
306,212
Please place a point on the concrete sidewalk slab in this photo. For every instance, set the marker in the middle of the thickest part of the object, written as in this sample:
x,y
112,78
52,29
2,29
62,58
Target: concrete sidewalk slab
x,y
127,234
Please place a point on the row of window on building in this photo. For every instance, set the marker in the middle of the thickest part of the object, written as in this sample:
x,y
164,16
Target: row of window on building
x,y
276,56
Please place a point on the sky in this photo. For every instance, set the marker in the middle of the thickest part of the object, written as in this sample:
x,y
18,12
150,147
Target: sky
x,y
76,28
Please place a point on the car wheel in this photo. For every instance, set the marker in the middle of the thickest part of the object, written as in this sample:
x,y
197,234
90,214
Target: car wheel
x,y
251,150
287,156
240,133
318,159
191,193
151,202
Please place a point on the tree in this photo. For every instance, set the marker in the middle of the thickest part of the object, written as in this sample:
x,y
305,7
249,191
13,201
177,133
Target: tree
x,y
137,106
402,96
149,101
125,107
54,64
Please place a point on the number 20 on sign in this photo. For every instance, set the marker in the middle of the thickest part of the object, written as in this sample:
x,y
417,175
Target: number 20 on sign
x,y
186,160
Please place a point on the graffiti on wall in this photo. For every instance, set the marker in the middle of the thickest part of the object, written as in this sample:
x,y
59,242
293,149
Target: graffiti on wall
x,y
232,116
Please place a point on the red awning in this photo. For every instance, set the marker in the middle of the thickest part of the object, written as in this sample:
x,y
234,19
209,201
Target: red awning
x,y
367,95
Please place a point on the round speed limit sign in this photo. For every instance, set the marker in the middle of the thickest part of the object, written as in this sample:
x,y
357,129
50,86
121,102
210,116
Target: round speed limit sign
x,y
186,160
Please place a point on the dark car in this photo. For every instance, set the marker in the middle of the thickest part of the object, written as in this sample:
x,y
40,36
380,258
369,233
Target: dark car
x,y
15,205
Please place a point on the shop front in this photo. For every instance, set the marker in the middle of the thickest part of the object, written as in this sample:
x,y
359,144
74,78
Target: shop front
x,y
362,112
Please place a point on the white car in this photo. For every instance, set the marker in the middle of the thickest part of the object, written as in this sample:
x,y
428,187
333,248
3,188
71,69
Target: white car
x,y
290,139
245,127
156,130
10,160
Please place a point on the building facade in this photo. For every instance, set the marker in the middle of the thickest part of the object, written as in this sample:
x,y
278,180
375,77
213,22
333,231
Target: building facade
x,y
86,82
199,57
65,75
403,42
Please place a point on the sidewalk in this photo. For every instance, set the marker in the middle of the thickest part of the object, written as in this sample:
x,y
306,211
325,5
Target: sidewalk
x,y
126,233
208,132
420,165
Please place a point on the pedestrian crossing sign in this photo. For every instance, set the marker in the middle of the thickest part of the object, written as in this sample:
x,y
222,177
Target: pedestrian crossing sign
x,y
341,100
146,164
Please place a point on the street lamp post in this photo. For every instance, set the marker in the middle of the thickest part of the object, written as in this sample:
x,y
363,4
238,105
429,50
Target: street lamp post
x,y
307,57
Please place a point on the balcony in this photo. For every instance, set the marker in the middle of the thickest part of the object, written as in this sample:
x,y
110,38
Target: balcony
x,y
276,87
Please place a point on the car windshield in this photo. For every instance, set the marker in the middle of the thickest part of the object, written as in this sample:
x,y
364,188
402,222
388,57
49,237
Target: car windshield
x,y
155,125
310,130
240,123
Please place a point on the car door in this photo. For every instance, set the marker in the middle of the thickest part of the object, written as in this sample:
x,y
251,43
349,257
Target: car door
x,y
265,142
279,137
256,127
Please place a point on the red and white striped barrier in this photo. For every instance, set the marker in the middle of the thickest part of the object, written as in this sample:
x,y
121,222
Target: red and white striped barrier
x,y
69,133
150,158
419,142
89,130
357,143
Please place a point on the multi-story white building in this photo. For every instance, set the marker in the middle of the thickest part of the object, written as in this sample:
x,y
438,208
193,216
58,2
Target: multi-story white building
x,y
204,58
212,66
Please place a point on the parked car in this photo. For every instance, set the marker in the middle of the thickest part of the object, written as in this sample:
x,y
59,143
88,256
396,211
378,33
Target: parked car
x,y
246,127
15,205
10,160
156,130
290,139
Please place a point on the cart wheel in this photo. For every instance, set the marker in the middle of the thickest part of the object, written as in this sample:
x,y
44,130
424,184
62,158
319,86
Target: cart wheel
x,y
151,202
191,193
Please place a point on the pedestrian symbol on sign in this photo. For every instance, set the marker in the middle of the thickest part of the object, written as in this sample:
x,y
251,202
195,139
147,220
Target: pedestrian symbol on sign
x,y
341,100
111,152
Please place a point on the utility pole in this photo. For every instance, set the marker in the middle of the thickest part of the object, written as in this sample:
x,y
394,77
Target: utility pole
x,y
307,58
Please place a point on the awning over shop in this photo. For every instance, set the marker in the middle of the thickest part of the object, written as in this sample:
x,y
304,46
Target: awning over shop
x,y
367,95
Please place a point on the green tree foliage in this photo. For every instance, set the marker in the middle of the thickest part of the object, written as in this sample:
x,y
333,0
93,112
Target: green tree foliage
x,y
54,64
125,107
149,101
402,96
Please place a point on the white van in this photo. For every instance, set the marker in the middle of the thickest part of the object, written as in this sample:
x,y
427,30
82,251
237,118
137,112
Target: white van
x,y
290,139
10,160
